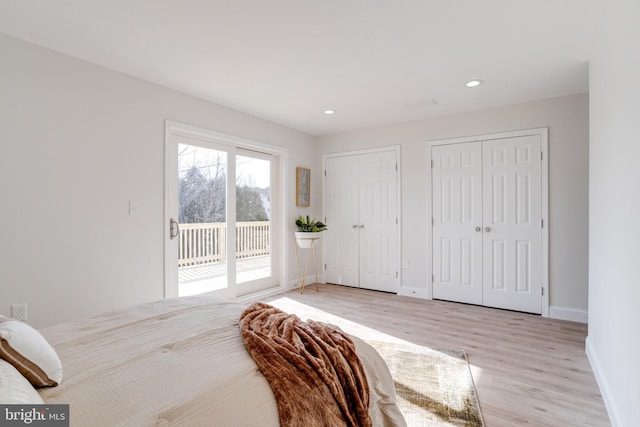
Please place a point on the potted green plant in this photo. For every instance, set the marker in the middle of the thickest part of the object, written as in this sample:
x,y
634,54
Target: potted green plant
x,y
307,230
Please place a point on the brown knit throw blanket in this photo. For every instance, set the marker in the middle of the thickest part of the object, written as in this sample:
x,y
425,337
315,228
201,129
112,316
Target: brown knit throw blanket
x,y
312,368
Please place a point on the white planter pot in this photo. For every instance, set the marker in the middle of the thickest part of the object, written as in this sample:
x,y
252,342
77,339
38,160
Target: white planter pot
x,y
304,238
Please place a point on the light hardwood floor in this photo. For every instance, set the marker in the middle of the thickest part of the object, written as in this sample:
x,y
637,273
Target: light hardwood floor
x,y
528,370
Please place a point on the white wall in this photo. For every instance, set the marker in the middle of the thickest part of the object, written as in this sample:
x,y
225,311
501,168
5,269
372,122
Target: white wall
x,y
79,141
614,210
567,120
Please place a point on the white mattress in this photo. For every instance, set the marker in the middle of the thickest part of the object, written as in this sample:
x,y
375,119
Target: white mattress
x,y
178,362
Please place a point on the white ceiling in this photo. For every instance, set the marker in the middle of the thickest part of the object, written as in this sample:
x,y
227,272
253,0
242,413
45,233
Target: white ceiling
x,y
373,61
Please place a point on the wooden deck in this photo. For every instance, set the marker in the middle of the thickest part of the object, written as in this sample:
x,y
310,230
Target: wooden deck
x,y
209,277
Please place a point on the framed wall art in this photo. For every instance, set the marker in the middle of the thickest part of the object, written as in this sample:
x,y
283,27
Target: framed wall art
x,y
303,187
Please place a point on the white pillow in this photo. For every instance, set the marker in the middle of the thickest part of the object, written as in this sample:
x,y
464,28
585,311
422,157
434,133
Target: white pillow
x,y
15,389
29,352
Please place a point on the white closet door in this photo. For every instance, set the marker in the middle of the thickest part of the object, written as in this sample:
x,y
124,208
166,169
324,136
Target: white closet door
x,y
512,223
457,218
341,210
378,221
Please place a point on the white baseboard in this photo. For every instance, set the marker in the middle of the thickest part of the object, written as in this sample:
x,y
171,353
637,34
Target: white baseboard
x,y
569,313
414,292
605,390
293,284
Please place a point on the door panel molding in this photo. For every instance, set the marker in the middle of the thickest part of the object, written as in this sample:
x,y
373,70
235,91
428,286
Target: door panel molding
x,y
523,155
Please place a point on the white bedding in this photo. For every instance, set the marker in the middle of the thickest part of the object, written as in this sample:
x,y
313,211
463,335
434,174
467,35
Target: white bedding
x,y
178,362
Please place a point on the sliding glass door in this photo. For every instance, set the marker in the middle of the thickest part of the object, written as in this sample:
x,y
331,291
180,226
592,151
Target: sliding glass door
x,y
220,200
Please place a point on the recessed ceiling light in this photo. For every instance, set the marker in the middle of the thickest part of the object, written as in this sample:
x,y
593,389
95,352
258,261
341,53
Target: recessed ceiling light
x,y
329,112
473,83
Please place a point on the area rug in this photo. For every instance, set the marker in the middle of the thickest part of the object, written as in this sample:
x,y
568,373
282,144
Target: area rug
x,y
434,387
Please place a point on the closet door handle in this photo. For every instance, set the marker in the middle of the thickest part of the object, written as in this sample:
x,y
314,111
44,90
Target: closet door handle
x,y
478,229
487,229
362,226
354,226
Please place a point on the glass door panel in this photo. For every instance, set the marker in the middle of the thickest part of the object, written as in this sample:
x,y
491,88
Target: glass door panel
x,y
202,211
253,221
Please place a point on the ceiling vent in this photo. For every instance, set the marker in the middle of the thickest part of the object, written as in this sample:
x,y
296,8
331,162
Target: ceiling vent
x,y
421,105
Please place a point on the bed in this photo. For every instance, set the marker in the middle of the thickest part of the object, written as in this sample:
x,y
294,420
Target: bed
x,y
180,362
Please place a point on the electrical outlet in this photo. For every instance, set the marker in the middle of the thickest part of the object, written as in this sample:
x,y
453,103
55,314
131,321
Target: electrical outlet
x,y
19,311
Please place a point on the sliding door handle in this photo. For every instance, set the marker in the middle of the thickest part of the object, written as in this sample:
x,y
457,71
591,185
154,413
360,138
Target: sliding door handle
x,y
173,225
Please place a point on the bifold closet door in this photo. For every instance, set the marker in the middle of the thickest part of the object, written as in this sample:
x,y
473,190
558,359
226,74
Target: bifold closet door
x,y
361,210
378,221
457,222
512,238
487,223
341,212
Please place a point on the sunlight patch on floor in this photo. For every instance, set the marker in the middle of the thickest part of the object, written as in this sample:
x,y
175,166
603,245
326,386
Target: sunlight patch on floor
x,y
476,372
305,312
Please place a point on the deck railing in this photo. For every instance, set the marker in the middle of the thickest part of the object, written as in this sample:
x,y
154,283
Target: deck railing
x,y
206,243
